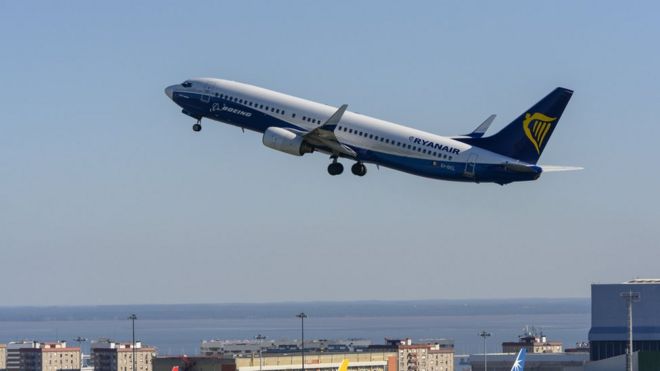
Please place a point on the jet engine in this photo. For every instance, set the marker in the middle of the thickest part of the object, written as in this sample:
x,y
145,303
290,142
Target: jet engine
x,y
286,141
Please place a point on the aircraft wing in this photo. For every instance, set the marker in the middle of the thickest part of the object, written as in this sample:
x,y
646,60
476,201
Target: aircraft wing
x,y
324,135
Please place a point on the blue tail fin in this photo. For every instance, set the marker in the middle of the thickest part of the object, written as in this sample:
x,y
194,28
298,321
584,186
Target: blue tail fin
x,y
525,137
519,364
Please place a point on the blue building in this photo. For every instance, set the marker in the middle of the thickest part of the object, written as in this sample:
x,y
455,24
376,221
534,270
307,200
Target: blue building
x,y
608,336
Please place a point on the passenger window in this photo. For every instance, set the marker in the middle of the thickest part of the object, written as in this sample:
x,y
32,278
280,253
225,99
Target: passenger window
x,y
293,115
283,112
304,118
371,136
350,131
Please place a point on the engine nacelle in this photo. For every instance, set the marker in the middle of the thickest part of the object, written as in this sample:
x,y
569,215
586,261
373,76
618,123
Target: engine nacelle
x,y
286,141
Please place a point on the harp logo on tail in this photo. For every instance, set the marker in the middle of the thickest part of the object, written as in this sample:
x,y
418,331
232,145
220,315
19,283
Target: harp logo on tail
x,y
536,127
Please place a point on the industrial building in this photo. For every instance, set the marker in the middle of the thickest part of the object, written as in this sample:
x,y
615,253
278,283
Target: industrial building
x,y
314,361
534,361
608,336
51,356
109,355
218,348
320,355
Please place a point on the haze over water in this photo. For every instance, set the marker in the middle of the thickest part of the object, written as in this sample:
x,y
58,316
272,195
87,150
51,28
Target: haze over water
x,y
179,329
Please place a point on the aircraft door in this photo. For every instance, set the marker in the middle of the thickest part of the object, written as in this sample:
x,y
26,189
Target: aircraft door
x,y
470,165
206,95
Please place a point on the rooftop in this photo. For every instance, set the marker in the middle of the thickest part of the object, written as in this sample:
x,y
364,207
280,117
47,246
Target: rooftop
x,y
638,281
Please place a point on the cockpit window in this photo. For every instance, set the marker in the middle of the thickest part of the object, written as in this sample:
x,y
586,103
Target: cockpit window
x,y
187,84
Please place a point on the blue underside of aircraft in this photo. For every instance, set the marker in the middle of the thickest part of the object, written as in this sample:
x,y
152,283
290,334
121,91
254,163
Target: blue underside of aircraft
x,y
215,108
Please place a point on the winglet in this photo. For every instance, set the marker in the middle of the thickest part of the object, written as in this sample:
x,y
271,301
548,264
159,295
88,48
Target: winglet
x,y
334,119
344,365
481,129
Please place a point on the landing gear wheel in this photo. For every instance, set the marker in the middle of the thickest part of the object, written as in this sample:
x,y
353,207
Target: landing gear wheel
x,y
335,168
197,127
359,169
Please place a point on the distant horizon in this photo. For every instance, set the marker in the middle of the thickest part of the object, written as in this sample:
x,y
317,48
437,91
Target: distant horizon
x,y
318,309
300,302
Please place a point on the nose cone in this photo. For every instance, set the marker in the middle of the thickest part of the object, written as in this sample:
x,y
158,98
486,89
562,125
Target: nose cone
x,y
169,91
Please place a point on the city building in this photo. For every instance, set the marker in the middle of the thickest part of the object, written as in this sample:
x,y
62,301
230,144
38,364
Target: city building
x,y
534,343
3,356
13,360
49,356
281,361
608,336
534,361
109,355
434,356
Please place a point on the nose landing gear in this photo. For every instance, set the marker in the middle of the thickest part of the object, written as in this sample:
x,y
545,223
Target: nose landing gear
x,y
197,126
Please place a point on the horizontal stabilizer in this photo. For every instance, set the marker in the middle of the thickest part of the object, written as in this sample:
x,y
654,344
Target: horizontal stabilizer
x,y
522,168
554,168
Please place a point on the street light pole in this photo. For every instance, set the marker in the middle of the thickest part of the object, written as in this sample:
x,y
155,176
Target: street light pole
x,y
133,317
302,317
485,335
261,355
630,297
80,340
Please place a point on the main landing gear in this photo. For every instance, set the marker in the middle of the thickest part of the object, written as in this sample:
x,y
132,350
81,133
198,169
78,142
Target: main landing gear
x,y
336,168
197,126
359,169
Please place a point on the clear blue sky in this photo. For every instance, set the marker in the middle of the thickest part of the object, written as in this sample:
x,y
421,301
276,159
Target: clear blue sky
x,y
107,196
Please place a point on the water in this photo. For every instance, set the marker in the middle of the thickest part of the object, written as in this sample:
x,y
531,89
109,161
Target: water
x,y
179,329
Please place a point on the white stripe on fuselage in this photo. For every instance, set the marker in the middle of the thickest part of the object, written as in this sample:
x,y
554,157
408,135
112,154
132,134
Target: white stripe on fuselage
x,y
443,147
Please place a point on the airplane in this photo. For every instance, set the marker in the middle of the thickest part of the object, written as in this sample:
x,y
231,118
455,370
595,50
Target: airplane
x,y
298,126
519,363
